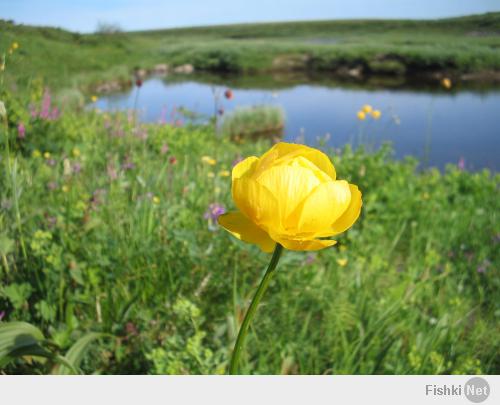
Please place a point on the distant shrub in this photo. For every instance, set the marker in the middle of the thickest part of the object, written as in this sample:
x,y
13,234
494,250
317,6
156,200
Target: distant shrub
x,y
107,28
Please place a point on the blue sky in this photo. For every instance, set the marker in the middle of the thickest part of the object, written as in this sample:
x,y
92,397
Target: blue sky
x,y
83,15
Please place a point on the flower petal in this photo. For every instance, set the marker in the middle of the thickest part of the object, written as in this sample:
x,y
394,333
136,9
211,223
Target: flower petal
x,y
326,203
290,184
245,167
283,151
351,214
297,244
244,229
256,202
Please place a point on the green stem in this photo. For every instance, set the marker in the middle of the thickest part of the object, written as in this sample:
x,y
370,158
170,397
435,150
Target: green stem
x,y
233,368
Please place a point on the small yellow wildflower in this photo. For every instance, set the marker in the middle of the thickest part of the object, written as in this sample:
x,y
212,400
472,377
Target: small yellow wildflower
x,y
46,155
65,188
376,114
76,152
342,248
361,115
224,173
36,153
94,99
446,83
15,45
2,67
342,262
156,200
211,174
367,108
425,196
208,160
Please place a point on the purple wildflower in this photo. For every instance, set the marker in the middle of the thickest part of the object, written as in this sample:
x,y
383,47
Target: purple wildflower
x,y
128,165
461,164
21,131
484,266
54,115
214,211
77,168
46,101
52,185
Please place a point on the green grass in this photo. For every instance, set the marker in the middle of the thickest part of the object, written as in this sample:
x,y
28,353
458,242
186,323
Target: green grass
x,y
385,47
248,122
117,243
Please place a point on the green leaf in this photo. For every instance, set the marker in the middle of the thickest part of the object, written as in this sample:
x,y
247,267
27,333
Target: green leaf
x,y
20,339
17,294
75,354
6,245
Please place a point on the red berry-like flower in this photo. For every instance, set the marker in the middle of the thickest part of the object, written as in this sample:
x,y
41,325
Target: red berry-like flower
x,y
172,160
228,94
138,82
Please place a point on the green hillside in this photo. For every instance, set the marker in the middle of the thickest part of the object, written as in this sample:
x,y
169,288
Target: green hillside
x,y
457,46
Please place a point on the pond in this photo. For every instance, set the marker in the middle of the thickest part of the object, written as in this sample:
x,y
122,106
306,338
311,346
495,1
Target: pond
x,y
437,126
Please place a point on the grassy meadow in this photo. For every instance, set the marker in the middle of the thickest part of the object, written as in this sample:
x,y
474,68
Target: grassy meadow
x,y
457,47
110,251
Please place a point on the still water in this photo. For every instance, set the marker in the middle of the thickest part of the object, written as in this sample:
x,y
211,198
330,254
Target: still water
x,y
438,127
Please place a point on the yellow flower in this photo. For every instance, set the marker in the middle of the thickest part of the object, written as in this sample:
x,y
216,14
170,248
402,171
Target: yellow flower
x,y
76,152
2,67
446,83
94,99
361,115
367,108
36,153
46,155
376,114
156,200
211,174
342,262
65,188
290,196
15,45
224,173
208,160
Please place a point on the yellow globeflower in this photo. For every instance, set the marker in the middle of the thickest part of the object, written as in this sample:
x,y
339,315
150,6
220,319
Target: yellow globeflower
x,y
361,115
367,108
65,188
224,173
446,83
290,196
208,160
94,99
46,155
342,262
376,114
36,153
156,200
15,45
76,152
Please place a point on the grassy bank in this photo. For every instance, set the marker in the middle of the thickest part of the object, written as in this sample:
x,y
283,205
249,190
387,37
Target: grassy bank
x,y
106,225
462,48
